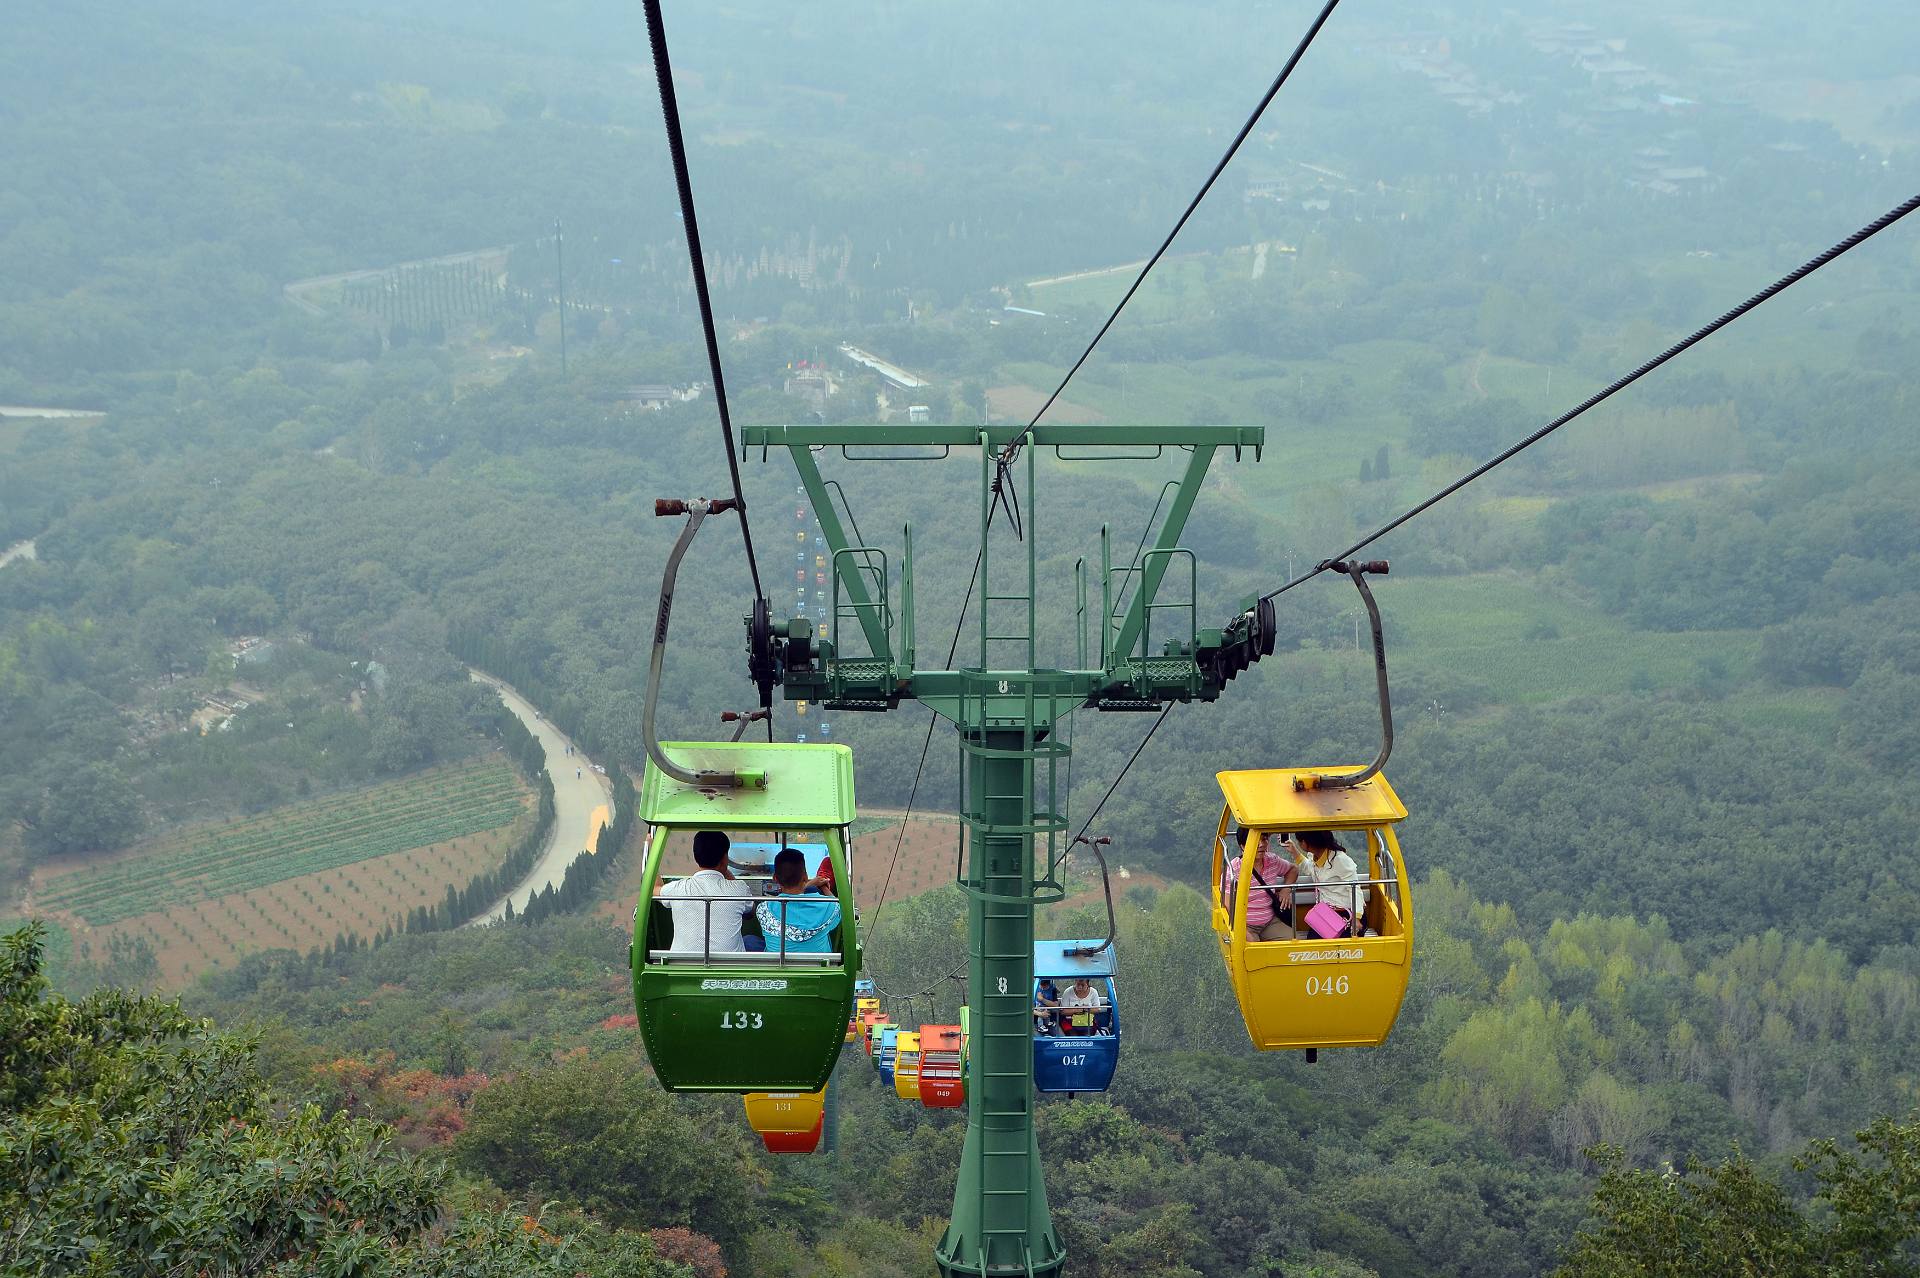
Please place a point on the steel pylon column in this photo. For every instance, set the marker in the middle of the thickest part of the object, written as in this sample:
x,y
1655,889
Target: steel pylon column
x,y
1000,1223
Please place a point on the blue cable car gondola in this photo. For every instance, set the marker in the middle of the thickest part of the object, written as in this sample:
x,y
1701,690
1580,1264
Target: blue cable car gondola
x,y
883,1056
1075,1047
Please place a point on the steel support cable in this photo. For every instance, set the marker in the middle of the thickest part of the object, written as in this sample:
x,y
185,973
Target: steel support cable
x,y
1128,767
670,111
1088,824
932,719
957,974
1299,51
1786,281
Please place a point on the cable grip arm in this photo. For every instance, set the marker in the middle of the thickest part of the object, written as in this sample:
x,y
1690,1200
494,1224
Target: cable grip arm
x,y
1106,885
695,509
741,718
1357,571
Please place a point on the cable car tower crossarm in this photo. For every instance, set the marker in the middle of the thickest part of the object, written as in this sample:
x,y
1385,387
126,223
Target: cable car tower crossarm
x,y
1005,711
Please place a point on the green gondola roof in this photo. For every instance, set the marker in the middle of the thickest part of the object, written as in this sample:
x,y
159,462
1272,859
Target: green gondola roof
x,y
807,785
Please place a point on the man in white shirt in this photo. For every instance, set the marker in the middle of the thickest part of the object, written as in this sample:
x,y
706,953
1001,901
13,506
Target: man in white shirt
x,y
709,904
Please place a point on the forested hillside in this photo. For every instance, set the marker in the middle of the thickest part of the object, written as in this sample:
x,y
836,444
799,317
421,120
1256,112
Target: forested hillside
x,y
1655,684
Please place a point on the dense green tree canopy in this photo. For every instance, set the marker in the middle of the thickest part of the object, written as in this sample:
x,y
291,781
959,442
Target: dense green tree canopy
x,y
135,1139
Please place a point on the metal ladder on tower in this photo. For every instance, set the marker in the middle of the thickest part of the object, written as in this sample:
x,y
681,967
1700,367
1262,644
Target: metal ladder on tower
x,y
1004,825
1006,717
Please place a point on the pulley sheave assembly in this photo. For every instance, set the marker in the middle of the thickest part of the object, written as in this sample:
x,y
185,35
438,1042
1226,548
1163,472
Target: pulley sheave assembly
x,y
763,663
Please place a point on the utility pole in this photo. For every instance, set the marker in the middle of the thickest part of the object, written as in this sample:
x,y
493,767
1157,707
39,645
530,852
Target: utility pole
x,y
560,287
1136,653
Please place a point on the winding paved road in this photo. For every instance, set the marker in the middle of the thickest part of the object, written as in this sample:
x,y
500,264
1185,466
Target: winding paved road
x,y
581,804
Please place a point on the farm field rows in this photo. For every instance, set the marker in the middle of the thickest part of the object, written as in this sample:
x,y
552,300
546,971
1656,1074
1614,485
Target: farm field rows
x,y
310,910
207,862
926,859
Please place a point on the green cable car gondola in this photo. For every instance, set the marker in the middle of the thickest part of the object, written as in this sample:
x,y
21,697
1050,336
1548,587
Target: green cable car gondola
x,y
739,1020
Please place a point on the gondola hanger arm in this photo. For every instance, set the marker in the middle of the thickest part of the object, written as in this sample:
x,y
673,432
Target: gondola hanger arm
x,y
1357,571
695,509
1106,886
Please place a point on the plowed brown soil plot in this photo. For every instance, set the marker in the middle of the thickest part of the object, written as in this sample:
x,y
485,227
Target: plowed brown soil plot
x,y
309,911
926,861
297,876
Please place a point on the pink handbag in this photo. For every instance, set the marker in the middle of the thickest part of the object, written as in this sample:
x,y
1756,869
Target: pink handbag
x,y
1326,921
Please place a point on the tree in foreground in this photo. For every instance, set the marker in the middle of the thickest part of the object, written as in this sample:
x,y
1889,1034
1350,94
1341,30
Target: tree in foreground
x,y
1733,1220
137,1140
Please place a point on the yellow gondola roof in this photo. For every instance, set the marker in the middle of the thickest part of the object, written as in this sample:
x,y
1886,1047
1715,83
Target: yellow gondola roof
x,y
1265,799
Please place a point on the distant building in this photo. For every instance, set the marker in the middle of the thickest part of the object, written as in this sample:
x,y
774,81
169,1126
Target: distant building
x,y
919,413
254,652
654,396
810,382
892,374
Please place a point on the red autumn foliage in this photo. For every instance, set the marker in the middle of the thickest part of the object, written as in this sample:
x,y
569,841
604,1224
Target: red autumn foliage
x,y
697,1251
424,1108
621,1020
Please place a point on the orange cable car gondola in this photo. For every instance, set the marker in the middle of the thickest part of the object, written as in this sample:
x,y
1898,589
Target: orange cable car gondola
x,y
870,1023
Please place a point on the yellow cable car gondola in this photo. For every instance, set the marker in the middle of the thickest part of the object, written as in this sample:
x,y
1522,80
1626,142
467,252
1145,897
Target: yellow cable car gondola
x,y
1314,989
1317,933
906,1065
861,1006
784,1111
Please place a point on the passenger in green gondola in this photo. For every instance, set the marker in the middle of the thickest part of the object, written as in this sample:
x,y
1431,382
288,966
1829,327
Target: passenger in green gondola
x,y
796,919
710,893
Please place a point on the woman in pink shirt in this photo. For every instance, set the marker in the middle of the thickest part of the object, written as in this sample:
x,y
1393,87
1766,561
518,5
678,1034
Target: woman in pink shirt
x,y
1265,896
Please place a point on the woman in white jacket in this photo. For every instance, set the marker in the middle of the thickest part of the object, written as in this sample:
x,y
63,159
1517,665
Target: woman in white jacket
x,y
1323,867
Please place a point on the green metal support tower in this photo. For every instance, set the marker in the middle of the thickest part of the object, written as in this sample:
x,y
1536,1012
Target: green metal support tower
x,y
1006,711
